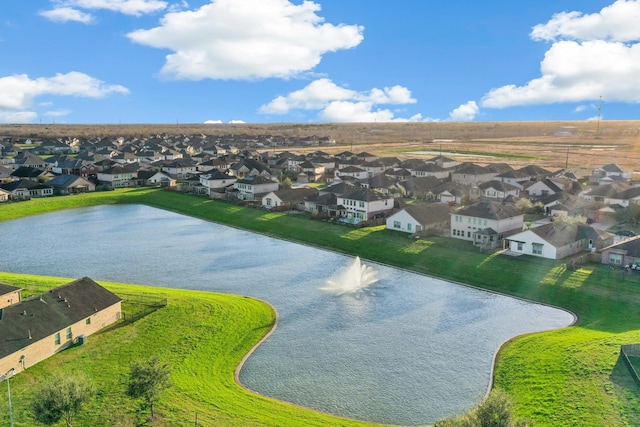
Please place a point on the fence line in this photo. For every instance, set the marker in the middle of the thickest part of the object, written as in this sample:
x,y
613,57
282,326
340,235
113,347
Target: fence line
x,y
631,350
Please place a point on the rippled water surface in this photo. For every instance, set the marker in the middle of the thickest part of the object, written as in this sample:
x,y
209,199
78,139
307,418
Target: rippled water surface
x,y
409,350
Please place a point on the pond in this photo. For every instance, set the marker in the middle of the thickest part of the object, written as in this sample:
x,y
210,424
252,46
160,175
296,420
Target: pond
x,y
409,349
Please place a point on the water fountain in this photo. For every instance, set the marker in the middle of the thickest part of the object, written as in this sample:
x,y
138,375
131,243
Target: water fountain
x,y
352,280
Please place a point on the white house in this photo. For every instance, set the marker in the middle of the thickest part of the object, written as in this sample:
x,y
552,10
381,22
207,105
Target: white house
x,y
495,189
486,222
117,177
289,197
254,187
558,240
364,204
416,218
216,181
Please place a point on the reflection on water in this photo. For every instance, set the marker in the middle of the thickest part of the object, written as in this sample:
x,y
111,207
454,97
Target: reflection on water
x,y
409,350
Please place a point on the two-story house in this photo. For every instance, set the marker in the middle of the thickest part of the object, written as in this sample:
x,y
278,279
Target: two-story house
x,y
486,222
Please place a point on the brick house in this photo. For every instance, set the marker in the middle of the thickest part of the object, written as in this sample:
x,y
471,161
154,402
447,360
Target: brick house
x,y
36,328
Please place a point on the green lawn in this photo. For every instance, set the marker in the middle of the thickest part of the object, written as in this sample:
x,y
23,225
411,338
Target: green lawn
x,y
202,335
561,378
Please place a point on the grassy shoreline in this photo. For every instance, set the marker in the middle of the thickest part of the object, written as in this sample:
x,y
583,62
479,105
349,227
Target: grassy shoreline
x,y
567,377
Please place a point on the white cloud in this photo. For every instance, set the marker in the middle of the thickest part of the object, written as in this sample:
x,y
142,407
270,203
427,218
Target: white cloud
x,y
17,116
249,39
66,14
57,113
18,91
617,22
465,112
212,122
340,104
585,68
236,121
127,7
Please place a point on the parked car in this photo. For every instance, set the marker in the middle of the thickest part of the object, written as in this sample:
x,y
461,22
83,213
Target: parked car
x,y
626,233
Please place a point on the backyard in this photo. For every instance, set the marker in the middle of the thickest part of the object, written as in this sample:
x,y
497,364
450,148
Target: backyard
x,y
567,377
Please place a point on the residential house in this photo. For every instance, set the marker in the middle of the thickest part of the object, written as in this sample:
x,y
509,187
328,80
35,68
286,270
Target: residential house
x,y
5,174
325,205
443,162
9,295
312,171
24,189
420,218
450,193
153,178
486,222
254,187
544,187
38,327
289,198
610,170
607,193
430,169
26,158
4,195
216,182
117,177
32,174
624,253
558,239
249,167
351,172
495,189
366,157
419,187
471,174
364,204
179,168
71,184
374,167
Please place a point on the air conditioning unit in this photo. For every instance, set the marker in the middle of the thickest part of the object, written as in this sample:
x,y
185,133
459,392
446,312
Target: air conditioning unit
x,y
82,339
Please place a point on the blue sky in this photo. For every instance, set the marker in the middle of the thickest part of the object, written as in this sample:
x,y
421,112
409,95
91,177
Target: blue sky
x,y
263,61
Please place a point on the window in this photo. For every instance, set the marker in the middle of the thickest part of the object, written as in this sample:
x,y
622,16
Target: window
x,y
536,248
409,226
268,201
520,246
468,234
88,322
56,338
615,259
396,224
362,204
69,333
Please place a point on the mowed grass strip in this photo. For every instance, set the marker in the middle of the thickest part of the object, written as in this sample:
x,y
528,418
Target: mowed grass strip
x,y
202,335
560,378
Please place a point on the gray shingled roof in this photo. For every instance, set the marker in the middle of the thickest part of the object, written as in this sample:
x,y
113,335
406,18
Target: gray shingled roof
x,y
433,213
487,209
44,315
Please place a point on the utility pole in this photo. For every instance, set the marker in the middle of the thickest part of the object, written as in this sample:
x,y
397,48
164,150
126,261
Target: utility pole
x,y
6,376
599,111
566,163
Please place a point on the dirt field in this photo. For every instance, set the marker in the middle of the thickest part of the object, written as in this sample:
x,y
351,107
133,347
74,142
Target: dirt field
x,y
553,145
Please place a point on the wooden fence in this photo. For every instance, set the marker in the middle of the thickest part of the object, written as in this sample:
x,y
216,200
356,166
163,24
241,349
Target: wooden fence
x,y
630,350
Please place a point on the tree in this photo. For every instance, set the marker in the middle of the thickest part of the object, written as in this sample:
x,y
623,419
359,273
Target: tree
x,y
61,396
147,379
496,411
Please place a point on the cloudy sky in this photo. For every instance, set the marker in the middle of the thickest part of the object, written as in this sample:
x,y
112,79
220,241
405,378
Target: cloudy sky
x,y
258,61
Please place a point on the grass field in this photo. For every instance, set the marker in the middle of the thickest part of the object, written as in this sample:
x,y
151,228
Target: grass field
x,y
570,377
202,335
